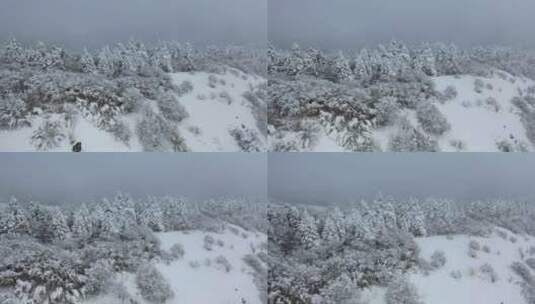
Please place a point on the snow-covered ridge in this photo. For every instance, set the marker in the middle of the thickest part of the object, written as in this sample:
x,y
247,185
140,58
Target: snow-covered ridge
x,y
222,114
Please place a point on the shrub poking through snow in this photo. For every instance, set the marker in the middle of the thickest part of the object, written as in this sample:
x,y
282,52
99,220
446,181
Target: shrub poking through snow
x,y
401,291
223,263
158,135
488,272
226,97
528,281
522,271
209,242
438,259
171,108
341,291
478,86
431,119
48,136
456,274
450,93
12,113
152,285
185,87
247,139
194,264
410,139
177,251
387,111
473,244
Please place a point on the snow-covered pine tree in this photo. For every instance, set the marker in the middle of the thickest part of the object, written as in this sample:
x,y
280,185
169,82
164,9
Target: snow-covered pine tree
x,y
82,226
58,223
87,62
151,216
105,62
341,69
342,290
161,58
15,219
307,230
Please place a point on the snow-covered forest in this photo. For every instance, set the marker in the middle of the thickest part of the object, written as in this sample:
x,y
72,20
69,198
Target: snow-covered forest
x,y
402,251
401,97
126,250
168,96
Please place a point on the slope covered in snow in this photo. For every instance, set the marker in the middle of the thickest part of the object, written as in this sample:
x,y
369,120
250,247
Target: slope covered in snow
x,y
481,114
222,110
224,267
483,117
402,98
479,275
477,270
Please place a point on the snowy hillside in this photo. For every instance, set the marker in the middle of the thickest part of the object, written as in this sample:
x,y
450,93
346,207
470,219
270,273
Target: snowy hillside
x,y
481,115
219,110
219,117
130,97
219,268
426,98
479,275
477,270
388,251
123,250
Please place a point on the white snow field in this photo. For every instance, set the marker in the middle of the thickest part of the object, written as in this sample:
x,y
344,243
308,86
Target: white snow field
x,y
216,106
478,120
480,123
197,277
461,280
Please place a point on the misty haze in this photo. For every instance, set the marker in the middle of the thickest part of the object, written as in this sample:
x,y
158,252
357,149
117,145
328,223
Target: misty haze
x,y
96,23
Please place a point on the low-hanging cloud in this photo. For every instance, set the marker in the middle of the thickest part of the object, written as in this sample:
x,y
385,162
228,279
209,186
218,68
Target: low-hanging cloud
x,y
321,178
345,24
94,23
72,177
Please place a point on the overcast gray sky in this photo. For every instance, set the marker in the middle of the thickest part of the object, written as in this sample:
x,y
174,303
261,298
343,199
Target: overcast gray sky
x,y
343,24
347,177
79,177
92,23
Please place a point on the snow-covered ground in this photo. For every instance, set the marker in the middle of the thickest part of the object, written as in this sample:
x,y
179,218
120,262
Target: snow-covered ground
x,y
214,106
461,280
478,120
197,277
211,114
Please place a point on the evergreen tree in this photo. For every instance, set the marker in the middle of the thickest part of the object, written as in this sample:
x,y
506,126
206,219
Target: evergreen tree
x,y
87,62
307,230
14,219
